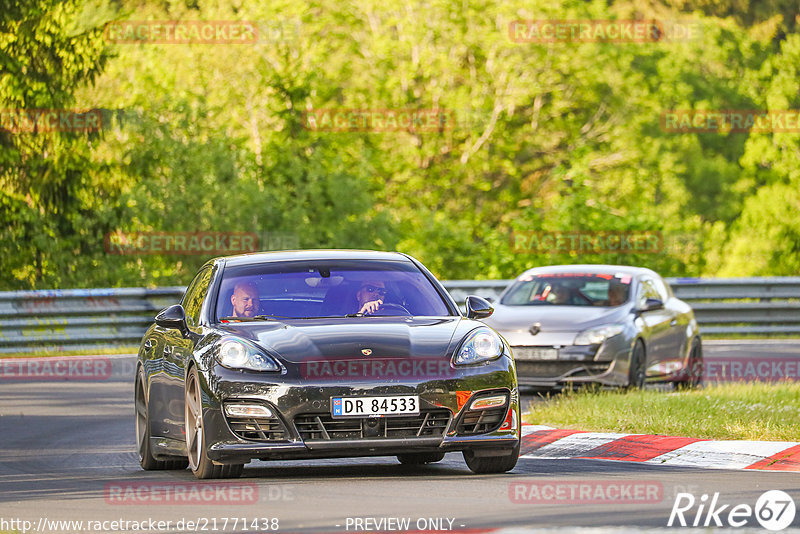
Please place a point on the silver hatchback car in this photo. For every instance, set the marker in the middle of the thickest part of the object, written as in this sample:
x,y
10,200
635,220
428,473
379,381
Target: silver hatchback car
x,y
598,324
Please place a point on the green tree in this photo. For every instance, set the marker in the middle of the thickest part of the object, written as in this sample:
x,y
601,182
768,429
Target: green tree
x,y
48,188
547,136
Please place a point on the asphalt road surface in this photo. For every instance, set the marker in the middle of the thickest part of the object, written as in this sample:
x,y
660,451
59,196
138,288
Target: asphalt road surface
x,y
67,454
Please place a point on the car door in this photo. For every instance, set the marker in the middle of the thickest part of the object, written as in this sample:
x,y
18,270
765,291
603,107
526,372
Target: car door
x,y
176,353
679,322
152,361
655,326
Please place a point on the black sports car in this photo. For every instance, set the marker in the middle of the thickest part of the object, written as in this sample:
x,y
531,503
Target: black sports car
x,y
322,354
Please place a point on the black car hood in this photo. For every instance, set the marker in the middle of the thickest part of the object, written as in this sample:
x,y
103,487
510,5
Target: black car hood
x,y
299,340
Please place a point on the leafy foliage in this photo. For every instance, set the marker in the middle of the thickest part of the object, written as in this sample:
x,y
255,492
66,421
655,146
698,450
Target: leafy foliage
x,y
546,136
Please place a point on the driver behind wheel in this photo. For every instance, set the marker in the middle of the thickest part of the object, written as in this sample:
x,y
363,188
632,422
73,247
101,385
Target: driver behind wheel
x,y
370,296
245,300
559,294
617,294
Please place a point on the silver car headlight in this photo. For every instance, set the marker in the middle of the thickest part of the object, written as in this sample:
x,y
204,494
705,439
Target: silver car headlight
x,y
595,336
481,345
235,354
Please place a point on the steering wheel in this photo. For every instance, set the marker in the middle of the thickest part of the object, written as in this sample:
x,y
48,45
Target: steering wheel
x,y
584,297
387,306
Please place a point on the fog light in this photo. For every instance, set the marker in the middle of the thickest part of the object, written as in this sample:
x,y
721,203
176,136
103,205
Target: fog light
x,y
488,402
247,410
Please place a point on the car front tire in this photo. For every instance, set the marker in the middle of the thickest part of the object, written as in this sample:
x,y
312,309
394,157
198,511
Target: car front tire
x,y
491,464
199,462
694,368
637,367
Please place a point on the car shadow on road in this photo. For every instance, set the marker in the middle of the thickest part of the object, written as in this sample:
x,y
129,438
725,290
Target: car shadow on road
x,y
343,468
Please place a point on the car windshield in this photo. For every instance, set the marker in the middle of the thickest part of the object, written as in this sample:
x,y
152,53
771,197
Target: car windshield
x,y
309,289
569,289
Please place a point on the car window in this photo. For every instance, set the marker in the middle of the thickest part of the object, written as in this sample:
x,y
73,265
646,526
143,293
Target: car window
x,y
661,288
569,289
195,295
332,288
647,291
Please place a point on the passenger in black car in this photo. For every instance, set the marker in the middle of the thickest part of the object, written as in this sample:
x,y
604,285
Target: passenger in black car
x,y
370,297
245,300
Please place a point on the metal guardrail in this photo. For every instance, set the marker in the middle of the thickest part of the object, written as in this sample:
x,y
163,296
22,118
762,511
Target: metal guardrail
x,y
79,318
94,318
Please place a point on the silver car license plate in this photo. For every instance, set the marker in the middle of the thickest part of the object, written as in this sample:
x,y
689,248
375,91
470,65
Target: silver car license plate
x,y
535,353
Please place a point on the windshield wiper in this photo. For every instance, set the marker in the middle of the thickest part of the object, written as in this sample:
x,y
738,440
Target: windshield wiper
x,y
337,316
254,318
351,315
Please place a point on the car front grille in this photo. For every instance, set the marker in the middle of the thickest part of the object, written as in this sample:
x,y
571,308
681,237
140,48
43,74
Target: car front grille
x,y
258,428
527,369
313,427
591,369
549,353
481,421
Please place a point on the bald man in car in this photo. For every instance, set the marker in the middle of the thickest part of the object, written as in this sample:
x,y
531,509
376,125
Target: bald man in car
x,y
245,300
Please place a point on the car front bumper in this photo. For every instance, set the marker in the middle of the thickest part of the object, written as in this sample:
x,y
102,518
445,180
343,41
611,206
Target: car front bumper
x,y
305,429
605,364
228,452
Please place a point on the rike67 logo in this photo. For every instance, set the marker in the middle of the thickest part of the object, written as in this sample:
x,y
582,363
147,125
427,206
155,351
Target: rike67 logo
x,y
774,510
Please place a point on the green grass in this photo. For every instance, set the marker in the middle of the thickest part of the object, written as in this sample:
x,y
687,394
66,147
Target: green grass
x,y
748,411
41,353
734,336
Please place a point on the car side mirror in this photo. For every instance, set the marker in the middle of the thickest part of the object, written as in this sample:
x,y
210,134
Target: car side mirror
x,y
652,304
478,308
173,317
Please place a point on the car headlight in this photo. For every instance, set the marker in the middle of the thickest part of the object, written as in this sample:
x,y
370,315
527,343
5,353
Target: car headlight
x,y
482,345
595,336
237,355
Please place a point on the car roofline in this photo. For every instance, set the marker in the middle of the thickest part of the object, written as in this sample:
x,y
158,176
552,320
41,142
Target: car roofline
x,y
588,268
311,255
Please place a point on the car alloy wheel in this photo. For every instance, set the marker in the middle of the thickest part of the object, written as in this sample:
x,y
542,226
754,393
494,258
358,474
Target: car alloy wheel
x,y
636,371
694,368
201,465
